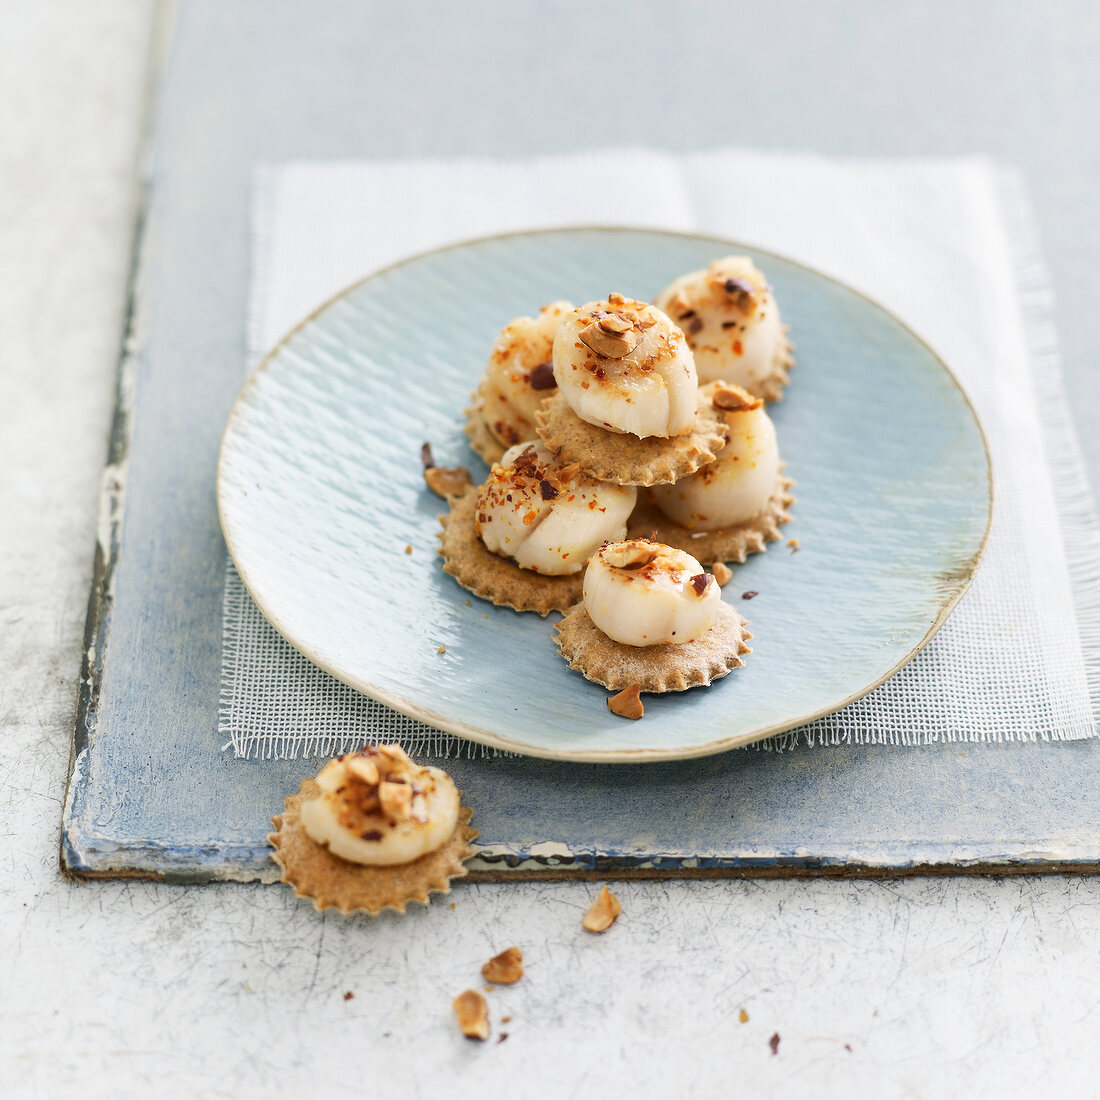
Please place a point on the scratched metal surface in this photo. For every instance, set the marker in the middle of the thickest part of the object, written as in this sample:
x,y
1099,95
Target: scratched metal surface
x,y
191,812
984,987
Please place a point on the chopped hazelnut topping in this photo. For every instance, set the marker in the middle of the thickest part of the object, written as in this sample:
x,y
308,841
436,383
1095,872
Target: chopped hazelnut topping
x,y
426,459
630,555
542,377
547,490
611,343
735,399
447,483
363,768
505,968
722,573
627,703
700,581
604,910
743,294
473,1014
395,799
614,324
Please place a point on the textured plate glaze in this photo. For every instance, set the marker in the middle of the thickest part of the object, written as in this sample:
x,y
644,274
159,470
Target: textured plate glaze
x,y
320,491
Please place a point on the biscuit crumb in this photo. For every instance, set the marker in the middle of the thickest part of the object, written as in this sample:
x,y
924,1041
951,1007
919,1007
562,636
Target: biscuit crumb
x,y
627,703
442,649
408,548
473,1015
744,1017
604,910
506,1019
793,544
448,482
451,906
349,995
735,399
505,968
723,574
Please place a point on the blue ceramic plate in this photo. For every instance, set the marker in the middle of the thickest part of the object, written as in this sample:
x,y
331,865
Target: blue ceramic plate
x,y
320,492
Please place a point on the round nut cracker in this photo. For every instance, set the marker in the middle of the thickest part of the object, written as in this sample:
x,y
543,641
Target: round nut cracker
x,y
628,459
332,882
733,543
656,668
498,579
771,388
482,441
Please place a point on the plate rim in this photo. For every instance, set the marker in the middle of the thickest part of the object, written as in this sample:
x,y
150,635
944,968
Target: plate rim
x,y
596,756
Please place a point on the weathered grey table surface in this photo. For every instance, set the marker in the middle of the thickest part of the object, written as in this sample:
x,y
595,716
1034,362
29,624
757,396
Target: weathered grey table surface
x,y
935,985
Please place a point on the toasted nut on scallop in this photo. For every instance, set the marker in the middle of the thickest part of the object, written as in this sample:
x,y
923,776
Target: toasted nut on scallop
x,y
627,703
604,910
505,968
611,344
473,1014
630,555
448,482
364,769
735,399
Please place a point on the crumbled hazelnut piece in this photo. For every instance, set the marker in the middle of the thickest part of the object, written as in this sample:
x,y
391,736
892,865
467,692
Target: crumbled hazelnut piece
x,y
700,582
743,294
505,968
630,555
448,482
442,649
723,574
395,799
426,459
773,1042
604,910
793,544
627,703
349,995
547,490
542,377
610,342
750,595
743,1016
735,399
473,1014
408,548
363,768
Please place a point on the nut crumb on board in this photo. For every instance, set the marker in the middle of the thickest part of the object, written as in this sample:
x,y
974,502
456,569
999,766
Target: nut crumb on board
x,y
723,574
604,910
473,1014
505,968
448,483
627,703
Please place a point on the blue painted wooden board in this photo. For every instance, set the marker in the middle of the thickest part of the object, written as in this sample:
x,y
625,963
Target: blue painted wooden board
x,y
151,792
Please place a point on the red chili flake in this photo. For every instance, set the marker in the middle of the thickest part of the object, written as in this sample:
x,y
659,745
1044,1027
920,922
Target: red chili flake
x,y
749,595
548,491
737,348
542,377
349,995
700,581
426,459
773,1042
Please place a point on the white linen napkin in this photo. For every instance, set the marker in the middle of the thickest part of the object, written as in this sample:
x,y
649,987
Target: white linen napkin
x,y
947,245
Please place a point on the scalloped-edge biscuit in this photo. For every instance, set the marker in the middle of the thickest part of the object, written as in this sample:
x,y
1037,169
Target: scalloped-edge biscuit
x,y
771,389
498,579
733,543
628,459
482,441
334,883
656,668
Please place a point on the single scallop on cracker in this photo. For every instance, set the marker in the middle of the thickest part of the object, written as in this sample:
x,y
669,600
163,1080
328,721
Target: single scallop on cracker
x,y
331,882
733,543
654,668
628,459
